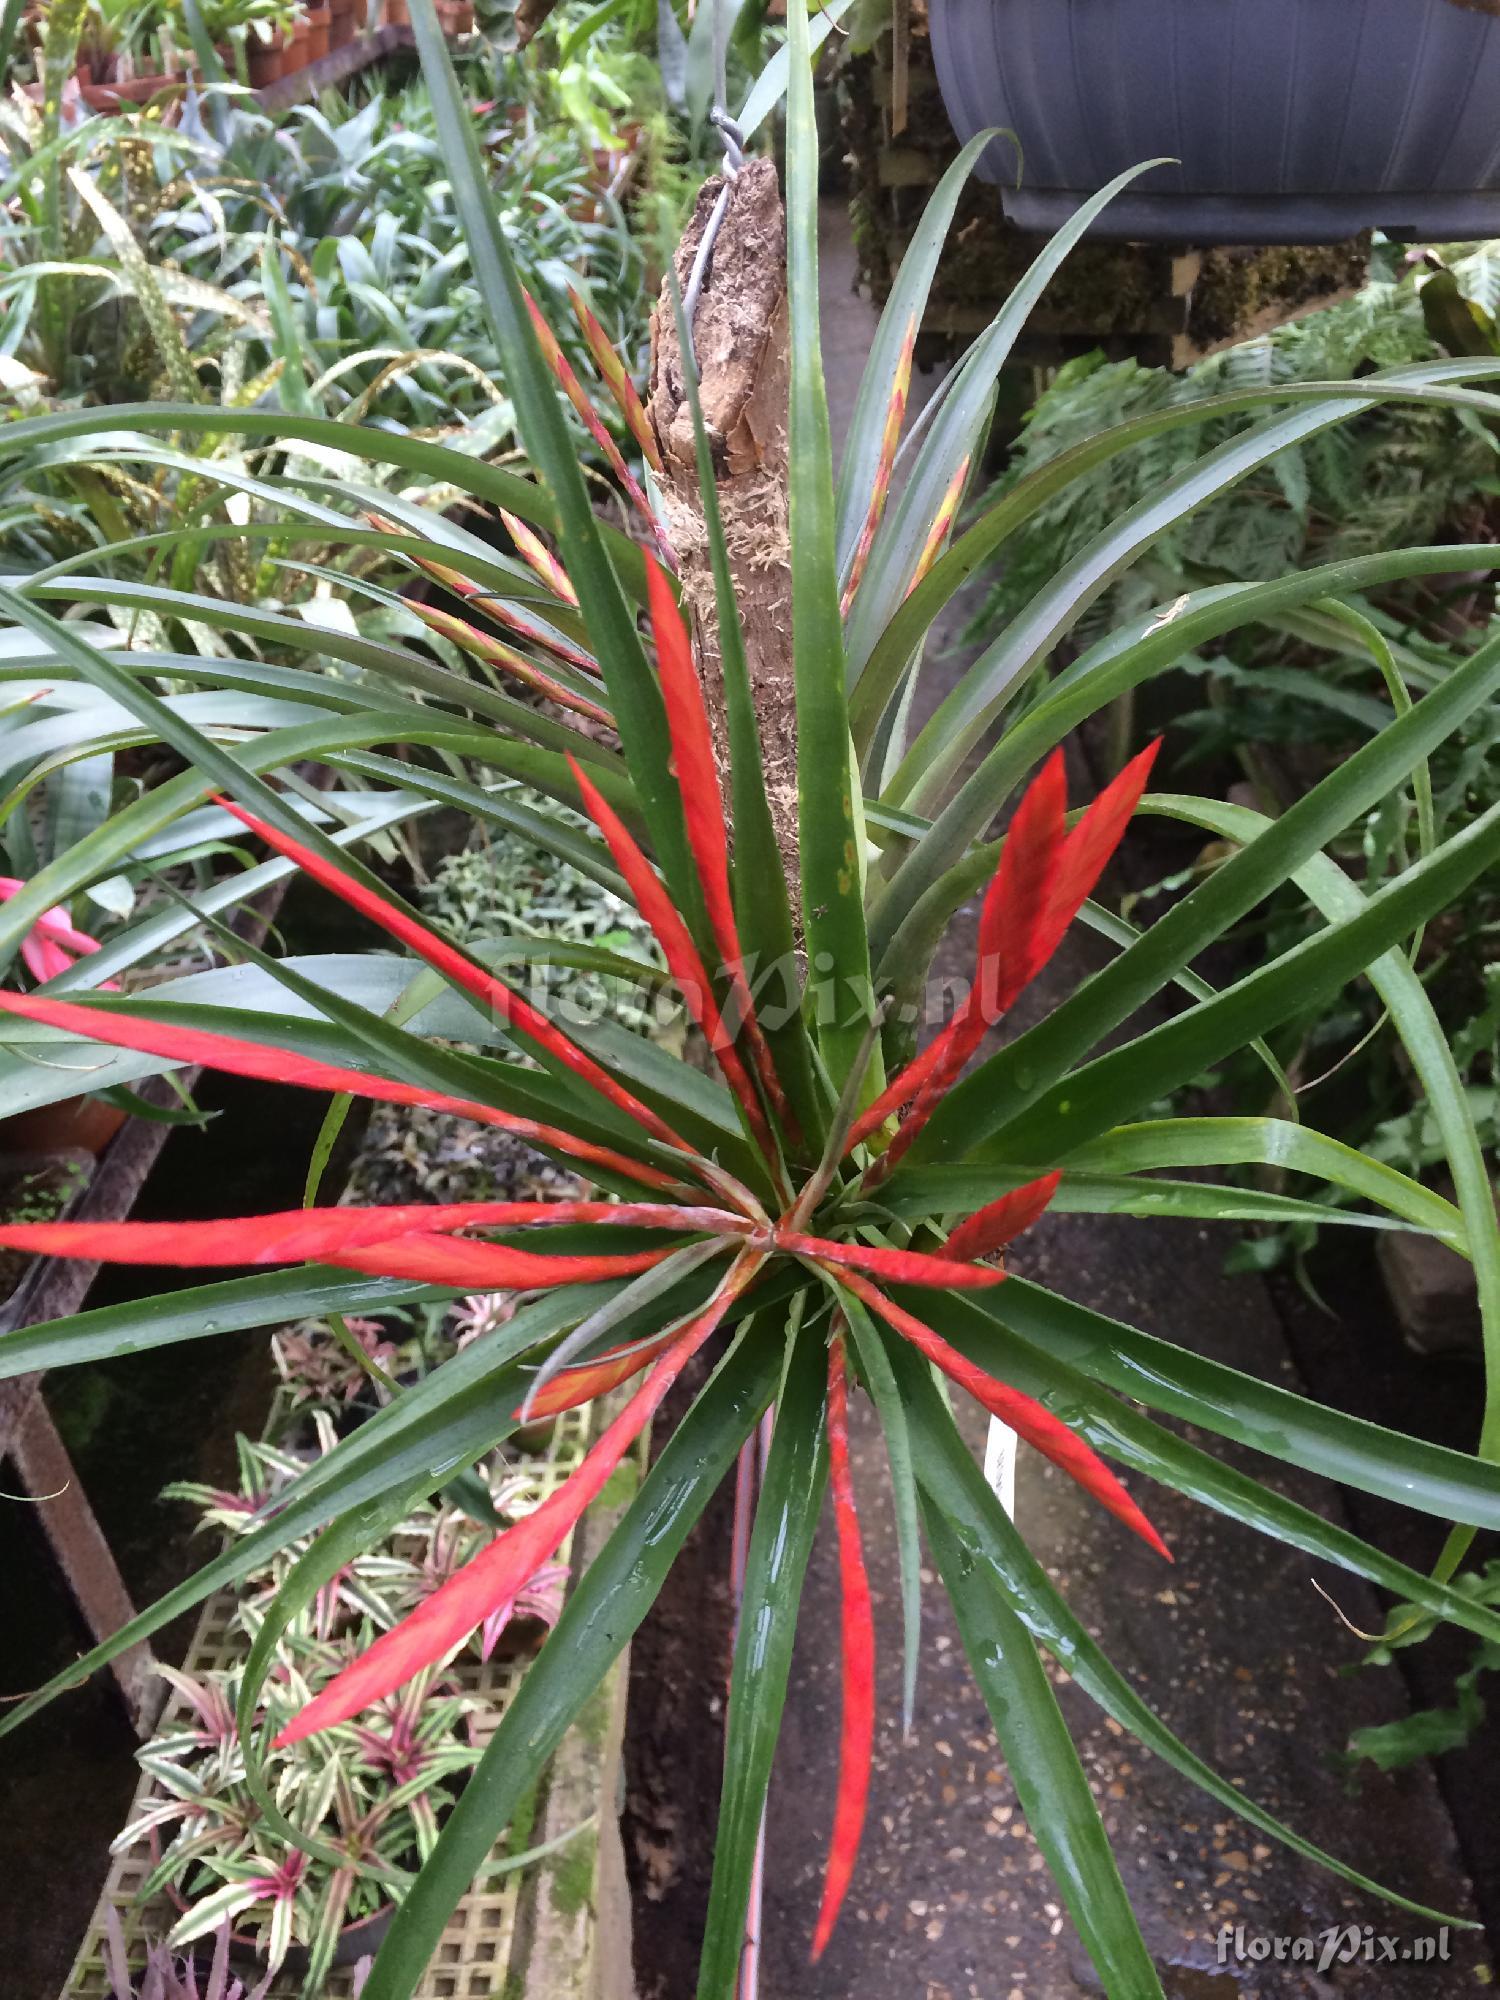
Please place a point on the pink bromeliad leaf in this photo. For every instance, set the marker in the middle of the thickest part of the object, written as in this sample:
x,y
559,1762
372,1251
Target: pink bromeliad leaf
x,y
1048,1434
706,820
211,1050
992,1227
52,945
857,1628
684,964
428,1634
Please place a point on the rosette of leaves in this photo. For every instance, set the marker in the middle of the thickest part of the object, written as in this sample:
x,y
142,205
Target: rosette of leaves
x,y
821,1215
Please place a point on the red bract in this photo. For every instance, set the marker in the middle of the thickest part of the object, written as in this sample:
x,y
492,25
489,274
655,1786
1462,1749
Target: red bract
x,y
576,1386
703,813
681,954
303,1234
251,1059
857,1638
1045,875
991,1228
900,1267
1023,1413
466,973
461,1262
446,1619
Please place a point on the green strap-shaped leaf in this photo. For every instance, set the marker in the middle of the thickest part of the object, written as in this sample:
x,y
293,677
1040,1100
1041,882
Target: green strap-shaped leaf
x,y
955,433
1115,665
907,302
1120,1431
1188,1142
833,914
1144,968
264,1298
1045,1769
786,1517
608,1603
1172,1379
999,1560
1006,664
635,697
998,521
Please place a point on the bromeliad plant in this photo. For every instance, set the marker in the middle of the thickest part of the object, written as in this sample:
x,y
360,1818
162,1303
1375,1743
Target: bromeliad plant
x,y
824,1210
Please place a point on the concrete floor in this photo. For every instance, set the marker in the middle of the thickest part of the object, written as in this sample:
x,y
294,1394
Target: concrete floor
x,y
1240,1655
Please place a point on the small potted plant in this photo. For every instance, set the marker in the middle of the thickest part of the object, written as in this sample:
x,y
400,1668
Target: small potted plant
x,y
164,1975
373,1796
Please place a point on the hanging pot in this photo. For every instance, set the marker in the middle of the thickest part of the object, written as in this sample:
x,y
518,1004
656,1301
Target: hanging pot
x,y
1295,121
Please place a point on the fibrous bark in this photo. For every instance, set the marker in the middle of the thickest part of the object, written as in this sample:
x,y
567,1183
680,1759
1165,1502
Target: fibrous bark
x,y
740,342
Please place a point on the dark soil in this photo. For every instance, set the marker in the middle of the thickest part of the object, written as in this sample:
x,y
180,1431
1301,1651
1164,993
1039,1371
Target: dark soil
x,y
674,1743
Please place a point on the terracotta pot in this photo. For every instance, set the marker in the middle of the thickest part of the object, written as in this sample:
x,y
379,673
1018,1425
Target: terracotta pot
x,y
397,14
265,61
318,22
343,25
295,56
73,1123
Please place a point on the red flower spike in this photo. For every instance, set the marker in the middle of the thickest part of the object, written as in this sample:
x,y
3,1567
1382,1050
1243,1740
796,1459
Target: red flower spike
x,y
578,396
1087,849
465,972
1027,1417
880,486
703,810
492,1267
1002,1221
857,1640
495,607
1010,924
897,1267
446,1618
943,520
250,1059
534,552
681,954
495,653
308,1235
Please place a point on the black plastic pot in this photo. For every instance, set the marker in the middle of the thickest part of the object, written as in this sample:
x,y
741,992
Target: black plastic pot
x,y
1295,121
